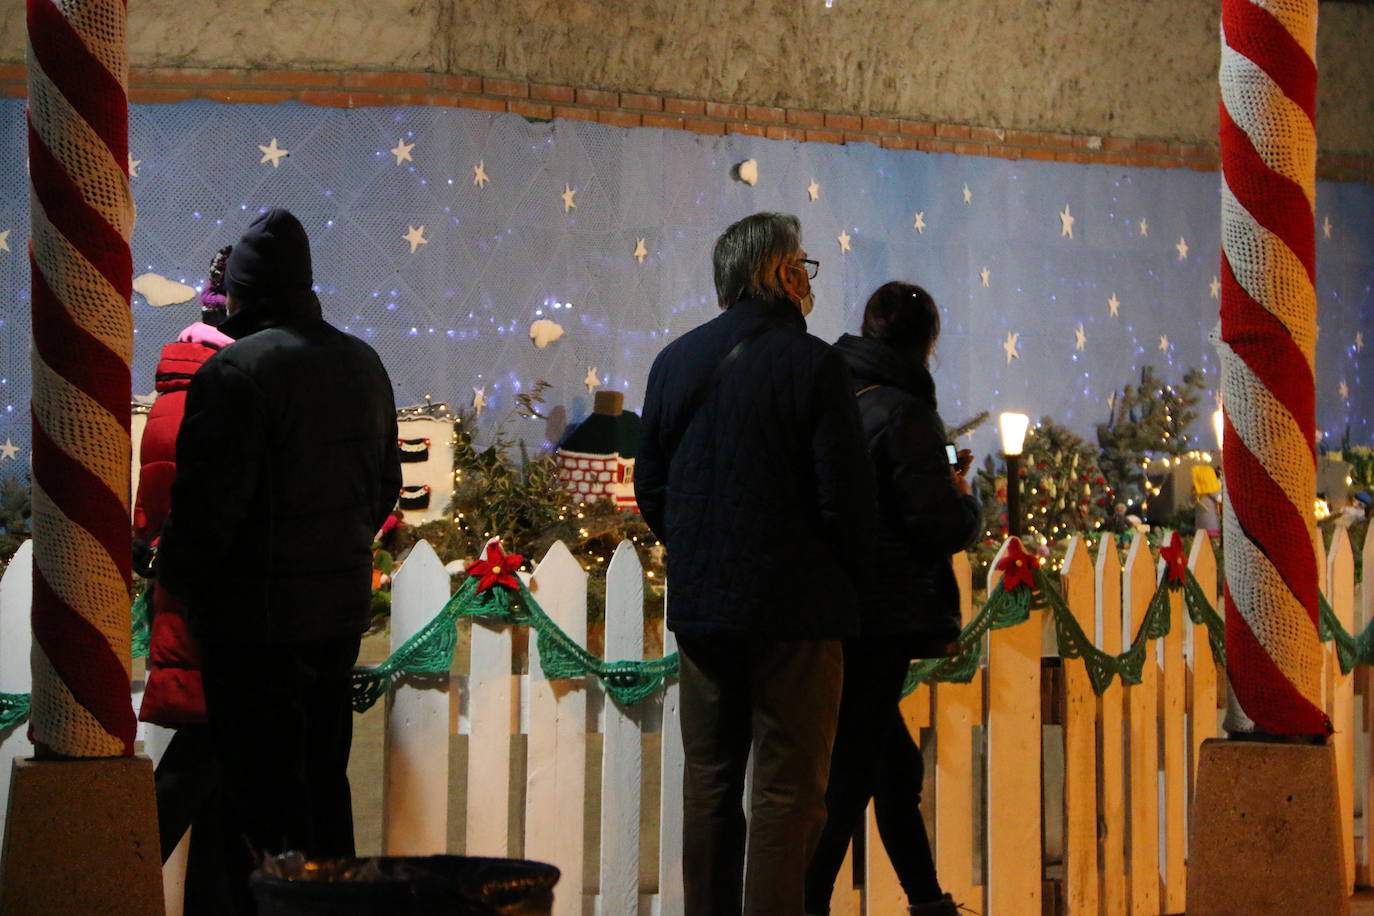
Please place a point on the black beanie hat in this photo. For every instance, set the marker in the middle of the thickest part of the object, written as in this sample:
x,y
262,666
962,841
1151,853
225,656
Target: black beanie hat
x,y
271,261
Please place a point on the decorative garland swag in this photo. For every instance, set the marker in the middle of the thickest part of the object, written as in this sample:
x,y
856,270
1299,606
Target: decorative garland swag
x,y
1024,587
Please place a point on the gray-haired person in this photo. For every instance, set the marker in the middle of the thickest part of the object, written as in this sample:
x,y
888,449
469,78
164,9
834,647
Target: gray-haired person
x,y
753,471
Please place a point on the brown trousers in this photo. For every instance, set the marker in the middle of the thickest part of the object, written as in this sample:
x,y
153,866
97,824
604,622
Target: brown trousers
x,y
779,698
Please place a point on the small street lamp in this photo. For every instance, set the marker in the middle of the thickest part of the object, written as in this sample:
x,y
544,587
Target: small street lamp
x,y
1013,426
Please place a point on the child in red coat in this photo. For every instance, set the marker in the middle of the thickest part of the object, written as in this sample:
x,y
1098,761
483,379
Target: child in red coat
x,y
186,785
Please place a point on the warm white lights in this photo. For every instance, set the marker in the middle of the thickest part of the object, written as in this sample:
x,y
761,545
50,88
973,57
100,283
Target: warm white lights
x,y
1013,426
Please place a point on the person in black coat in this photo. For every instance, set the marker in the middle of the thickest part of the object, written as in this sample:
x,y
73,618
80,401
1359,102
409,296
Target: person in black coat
x,y
287,464
912,599
751,470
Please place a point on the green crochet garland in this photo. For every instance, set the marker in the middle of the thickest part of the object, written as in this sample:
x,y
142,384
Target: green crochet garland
x,y
430,651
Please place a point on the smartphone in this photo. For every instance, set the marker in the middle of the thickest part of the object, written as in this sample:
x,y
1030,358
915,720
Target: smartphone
x,y
951,455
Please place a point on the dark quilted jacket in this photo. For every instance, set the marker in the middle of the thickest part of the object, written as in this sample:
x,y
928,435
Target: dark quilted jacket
x,y
923,519
287,465
761,497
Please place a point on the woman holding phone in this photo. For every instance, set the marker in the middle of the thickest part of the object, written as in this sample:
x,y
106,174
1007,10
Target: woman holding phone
x,y
911,601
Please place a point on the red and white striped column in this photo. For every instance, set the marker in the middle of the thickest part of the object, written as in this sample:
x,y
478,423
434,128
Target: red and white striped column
x,y
82,219
1268,336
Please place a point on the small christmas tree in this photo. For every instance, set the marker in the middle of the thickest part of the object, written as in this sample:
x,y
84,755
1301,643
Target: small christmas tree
x,y
1063,490
1148,419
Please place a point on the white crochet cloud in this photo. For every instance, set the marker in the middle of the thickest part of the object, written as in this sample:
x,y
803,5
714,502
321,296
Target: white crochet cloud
x,y
159,291
544,332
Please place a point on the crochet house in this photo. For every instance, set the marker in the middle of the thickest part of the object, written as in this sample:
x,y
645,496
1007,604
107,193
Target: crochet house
x,y
597,459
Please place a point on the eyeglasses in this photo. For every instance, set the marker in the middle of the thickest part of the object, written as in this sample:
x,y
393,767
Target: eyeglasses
x,y
811,267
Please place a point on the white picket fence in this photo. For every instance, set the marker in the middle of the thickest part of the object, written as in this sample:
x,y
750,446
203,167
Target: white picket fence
x,y
1035,791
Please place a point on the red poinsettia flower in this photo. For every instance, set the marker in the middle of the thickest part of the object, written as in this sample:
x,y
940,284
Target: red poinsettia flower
x,y
1176,566
497,569
1017,567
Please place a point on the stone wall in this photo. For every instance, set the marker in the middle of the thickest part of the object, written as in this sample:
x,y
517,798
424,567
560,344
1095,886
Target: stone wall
x,y
1119,68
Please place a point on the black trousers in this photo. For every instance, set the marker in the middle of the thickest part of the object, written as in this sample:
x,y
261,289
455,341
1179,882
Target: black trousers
x,y
778,698
874,758
281,727
187,784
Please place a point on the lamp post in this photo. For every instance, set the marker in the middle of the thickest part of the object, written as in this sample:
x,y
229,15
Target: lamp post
x,y
1013,426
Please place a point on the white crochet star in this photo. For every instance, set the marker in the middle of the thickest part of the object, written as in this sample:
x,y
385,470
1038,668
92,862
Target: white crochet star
x,y
1343,389
986,276
1144,226
568,195
479,174
1163,343
1182,249
133,165
920,224
5,239
1215,288
843,239
1009,346
479,400
641,251
592,381
273,153
415,235
1066,222
8,450
402,151
1326,226
813,190
968,195
1359,341
1080,338
1113,304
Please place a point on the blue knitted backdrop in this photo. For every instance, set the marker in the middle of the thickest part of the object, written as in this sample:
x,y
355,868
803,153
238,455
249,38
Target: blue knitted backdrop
x,y
455,313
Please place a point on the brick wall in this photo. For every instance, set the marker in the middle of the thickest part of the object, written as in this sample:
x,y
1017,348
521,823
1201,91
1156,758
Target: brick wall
x,y
357,89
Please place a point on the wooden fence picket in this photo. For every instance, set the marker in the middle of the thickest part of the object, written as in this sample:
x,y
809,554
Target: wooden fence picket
x,y
556,778
958,712
415,767
1142,717
492,720
669,899
1173,709
1340,594
622,762
1202,666
1080,745
1365,868
1112,820
16,642
1012,818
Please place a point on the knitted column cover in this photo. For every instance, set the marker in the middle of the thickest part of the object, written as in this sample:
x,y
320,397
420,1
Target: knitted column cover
x,y
1267,342
82,218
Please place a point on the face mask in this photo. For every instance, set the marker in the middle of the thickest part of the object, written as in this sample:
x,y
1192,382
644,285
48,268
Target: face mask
x,y
807,304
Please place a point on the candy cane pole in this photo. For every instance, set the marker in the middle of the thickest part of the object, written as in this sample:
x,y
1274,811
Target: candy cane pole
x,y
1268,336
81,820
82,217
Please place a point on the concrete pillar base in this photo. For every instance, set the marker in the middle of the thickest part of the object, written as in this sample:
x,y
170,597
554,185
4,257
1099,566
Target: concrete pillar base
x,y
1265,835
81,839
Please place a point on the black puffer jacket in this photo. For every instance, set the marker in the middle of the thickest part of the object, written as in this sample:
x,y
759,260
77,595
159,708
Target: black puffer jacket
x,y
287,465
923,518
762,497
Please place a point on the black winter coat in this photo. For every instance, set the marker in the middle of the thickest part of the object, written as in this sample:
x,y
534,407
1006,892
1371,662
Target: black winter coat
x,y
760,498
287,465
923,518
